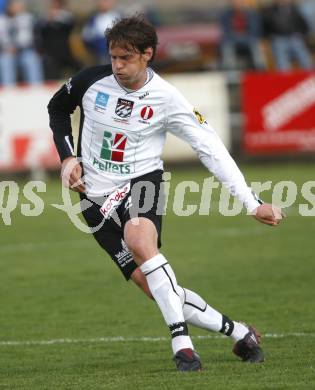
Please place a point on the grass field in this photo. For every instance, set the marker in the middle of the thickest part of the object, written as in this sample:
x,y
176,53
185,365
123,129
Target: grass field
x,y
73,322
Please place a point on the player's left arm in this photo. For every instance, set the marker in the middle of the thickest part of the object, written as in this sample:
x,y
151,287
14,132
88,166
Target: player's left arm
x,y
268,214
189,125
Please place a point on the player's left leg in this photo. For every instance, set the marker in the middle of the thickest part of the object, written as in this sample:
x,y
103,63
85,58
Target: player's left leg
x,y
199,313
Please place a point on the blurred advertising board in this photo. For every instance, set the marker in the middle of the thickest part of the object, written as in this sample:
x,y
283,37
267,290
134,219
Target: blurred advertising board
x,y
208,93
279,110
25,137
26,141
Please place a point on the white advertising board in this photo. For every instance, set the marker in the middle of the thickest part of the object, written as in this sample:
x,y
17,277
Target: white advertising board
x,y
207,92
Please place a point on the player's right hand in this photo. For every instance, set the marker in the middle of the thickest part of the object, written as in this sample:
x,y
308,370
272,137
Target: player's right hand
x,y
71,174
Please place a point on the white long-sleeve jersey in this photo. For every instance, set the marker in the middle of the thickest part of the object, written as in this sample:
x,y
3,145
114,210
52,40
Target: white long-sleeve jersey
x,y
122,132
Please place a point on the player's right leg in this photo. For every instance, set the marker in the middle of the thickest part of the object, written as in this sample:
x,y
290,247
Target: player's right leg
x,y
141,239
109,236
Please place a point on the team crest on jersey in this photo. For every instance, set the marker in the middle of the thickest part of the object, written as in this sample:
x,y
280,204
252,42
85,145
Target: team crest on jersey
x,y
201,119
124,108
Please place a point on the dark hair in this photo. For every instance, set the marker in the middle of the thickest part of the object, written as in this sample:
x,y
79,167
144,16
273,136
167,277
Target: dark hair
x,y
133,32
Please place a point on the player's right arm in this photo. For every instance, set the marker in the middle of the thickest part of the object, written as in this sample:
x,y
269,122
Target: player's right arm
x,y
60,108
71,174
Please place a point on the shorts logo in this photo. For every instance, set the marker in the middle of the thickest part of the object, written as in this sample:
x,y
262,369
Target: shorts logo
x,y
124,108
113,148
101,101
146,113
128,203
124,256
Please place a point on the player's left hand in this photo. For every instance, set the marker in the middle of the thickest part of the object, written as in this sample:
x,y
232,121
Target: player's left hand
x,y
268,214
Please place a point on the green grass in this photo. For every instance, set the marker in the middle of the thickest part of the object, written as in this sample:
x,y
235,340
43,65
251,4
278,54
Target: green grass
x,y
56,283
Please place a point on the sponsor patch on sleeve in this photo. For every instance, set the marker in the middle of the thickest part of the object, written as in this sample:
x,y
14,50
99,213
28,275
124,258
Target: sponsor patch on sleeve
x,y
201,119
69,86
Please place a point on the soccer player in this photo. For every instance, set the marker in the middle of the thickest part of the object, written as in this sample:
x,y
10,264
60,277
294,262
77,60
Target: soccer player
x,y
126,111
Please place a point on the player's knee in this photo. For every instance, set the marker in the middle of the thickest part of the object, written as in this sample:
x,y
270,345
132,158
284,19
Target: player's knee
x,y
139,247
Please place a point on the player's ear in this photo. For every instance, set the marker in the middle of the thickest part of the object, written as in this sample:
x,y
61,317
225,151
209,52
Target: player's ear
x,y
148,54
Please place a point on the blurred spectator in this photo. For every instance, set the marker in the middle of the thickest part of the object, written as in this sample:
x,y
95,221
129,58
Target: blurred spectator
x,y
54,32
307,8
152,15
286,27
3,6
17,52
93,32
242,29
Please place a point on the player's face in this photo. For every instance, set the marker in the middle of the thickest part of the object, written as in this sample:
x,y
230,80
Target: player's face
x,y
130,66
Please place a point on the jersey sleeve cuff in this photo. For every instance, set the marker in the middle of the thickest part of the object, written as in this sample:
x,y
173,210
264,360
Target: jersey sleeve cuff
x,y
252,203
252,206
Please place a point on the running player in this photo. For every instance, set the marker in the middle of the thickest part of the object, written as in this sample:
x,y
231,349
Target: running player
x,y
126,111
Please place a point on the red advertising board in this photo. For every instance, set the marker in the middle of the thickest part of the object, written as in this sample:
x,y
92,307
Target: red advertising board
x,y
279,110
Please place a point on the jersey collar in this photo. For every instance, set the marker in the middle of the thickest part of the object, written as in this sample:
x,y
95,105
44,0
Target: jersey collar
x,y
150,75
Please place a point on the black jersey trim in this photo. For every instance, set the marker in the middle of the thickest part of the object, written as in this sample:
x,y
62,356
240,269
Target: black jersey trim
x,y
65,101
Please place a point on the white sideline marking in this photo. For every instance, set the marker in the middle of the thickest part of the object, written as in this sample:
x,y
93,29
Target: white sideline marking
x,y
136,339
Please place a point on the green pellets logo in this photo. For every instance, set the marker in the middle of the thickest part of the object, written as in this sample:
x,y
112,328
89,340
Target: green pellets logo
x,y
113,147
113,152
